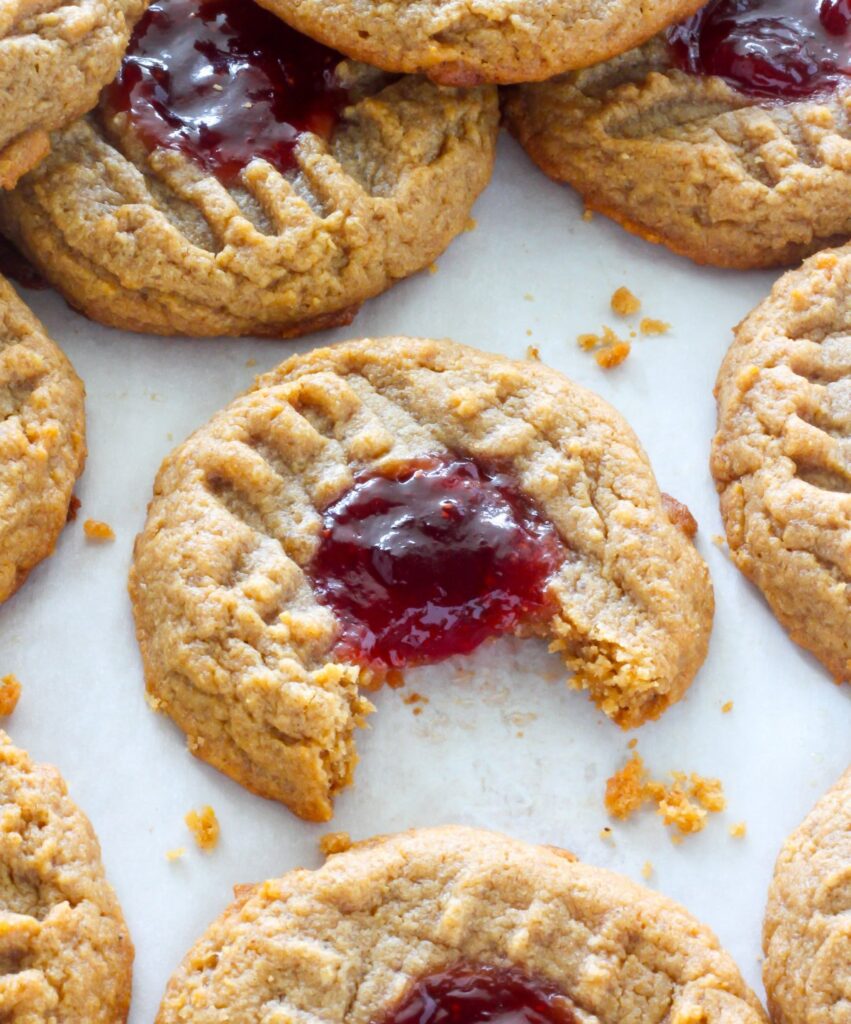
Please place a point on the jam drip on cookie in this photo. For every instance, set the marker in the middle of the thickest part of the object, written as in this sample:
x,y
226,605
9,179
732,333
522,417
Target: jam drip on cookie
x,y
775,49
225,82
430,561
478,994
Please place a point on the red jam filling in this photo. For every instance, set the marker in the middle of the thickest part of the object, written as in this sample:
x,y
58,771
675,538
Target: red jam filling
x,y
430,561
225,82
776,49
470,994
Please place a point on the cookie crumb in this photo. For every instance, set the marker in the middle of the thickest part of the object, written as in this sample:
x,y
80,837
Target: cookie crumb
x,y
96,530
650,326
250,362
684,803
432,268
529,297
10,694
718,540
587,214
647,870
633,743
471,224
74,506
587,342
175,854
533,353
613,355
739,830
335,842
624,303
726,707
204,827
607,834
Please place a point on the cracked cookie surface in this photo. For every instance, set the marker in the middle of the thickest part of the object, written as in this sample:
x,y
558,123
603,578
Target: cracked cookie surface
x,y
237,648
65,953
150,241
692,163
55,56
807,936
782,455
391,910
466,42
42,440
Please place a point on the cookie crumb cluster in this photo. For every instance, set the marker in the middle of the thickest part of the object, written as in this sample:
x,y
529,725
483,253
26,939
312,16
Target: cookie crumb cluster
x,y
335,842
609,348
204,827
10,694
684,803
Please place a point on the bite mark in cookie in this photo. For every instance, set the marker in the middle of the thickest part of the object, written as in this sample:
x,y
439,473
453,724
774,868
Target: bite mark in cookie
x,y
241,651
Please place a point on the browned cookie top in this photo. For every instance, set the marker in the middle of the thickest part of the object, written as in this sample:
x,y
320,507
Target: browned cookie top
x,y
782,454
55,56
807,936
238,648
42,440
693,162
345,943
65,954
466,42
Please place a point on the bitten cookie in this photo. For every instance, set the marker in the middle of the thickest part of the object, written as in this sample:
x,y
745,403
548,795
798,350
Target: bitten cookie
x,y
388,502
55,56
459,42
270,190
781,457
42,440
694,161
396,920
807,932
66,953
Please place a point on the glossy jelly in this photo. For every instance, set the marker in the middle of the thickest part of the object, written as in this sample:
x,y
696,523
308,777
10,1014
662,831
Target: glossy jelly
x,y
472,994
224,82
774,49
430,561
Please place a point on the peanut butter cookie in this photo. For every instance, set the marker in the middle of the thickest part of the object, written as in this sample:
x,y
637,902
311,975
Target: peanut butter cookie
x,y
696,141
781,459
42,440
66,953
467,42
462,916
55,56
391,502
270,189
807,933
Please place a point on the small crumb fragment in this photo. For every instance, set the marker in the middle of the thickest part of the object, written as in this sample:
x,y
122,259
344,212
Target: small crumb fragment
x,y
624,303
718,540
528,332
651,326
432,268
739,830
96,530
587,214
204,827
633,743
250,362
533,353
607,834
335,842
587,342
684,803
417,700
10,694
175,854
74,506
529,297
647,870
727,707
612,356
471,224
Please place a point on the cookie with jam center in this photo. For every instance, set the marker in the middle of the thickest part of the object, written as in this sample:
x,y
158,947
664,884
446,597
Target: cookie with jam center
x,y
66,952
240,178
459,42
456,924
55,56
781,457
806,937
718,138
389,502
42,440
